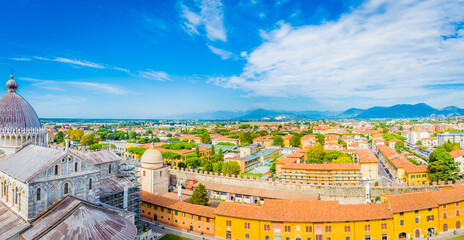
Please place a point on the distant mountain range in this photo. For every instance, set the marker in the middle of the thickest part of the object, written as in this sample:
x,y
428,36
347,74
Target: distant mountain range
x,y
396,111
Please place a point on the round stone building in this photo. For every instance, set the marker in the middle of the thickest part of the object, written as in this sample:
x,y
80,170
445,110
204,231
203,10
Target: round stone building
x,y
154,175
19,124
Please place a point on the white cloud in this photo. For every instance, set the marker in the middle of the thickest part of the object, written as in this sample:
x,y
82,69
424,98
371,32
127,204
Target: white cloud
x,y
21,59
380,51
154,75
221,52
150,74
98,87
61,85
79,62
211,17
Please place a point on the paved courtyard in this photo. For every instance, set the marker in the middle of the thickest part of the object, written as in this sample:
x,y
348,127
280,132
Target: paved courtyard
x,y
261,170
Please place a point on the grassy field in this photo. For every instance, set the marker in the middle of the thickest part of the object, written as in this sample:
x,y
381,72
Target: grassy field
x,y
171,236
251,174
458,238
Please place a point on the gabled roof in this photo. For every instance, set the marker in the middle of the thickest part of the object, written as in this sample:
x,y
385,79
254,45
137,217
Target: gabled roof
x,y
173,204
99,157
457,153
10,223
450,195
238,210
321,211
405,202
29,162
74,218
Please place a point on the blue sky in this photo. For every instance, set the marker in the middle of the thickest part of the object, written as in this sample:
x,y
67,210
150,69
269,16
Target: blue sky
x,y
152,59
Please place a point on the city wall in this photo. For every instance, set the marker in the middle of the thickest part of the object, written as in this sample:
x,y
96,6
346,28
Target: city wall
x,y
344,194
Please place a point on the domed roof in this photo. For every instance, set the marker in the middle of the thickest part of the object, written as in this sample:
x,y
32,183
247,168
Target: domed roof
x,y
152,158
15,111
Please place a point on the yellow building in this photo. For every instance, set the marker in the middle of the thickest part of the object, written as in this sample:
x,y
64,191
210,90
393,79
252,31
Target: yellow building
x,y
402,168
237,221
195,218
289,220
451,203
328,174
415,215
369,163
264,141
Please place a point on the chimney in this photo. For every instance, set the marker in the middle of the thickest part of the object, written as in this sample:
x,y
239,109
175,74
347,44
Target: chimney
x,y
67,145
179,192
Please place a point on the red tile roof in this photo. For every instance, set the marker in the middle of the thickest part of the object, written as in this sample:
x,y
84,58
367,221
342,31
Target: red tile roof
x,y
177,205
406,202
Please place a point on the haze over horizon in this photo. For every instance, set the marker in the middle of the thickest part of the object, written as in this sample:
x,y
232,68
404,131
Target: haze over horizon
x,y
152,59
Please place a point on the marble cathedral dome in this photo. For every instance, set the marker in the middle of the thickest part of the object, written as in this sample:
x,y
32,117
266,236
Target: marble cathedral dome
x,y
19,124
15,111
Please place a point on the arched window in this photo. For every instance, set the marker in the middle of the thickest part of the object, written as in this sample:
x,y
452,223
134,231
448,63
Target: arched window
x,y
56,170
444,216
75,167
457,213
90,184
109,169
38,194
16,195
66,190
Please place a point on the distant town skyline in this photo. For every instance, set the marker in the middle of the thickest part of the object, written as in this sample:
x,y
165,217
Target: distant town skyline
x,y
155,59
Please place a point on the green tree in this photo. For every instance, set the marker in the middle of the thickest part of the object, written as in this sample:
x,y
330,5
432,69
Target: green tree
x,y
197,151
205,138
342,159
132,135
226,144
449,146
246,138
273,168
143,140
316,152
231,167
217,167
314,160
193,161
295,140
75,134
208,166
95,146
137,150
181,165
59,137
219,157
329,156
441,166
89,139
278,141
320,139
399,145
171,155
212,152
200,196
419,143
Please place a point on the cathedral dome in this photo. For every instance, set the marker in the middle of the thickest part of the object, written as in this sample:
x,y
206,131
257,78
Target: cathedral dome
x,y
152,158
15,111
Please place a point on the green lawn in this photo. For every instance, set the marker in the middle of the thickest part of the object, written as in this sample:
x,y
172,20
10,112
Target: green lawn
x,y
458,238
171,236
217,199
251,174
